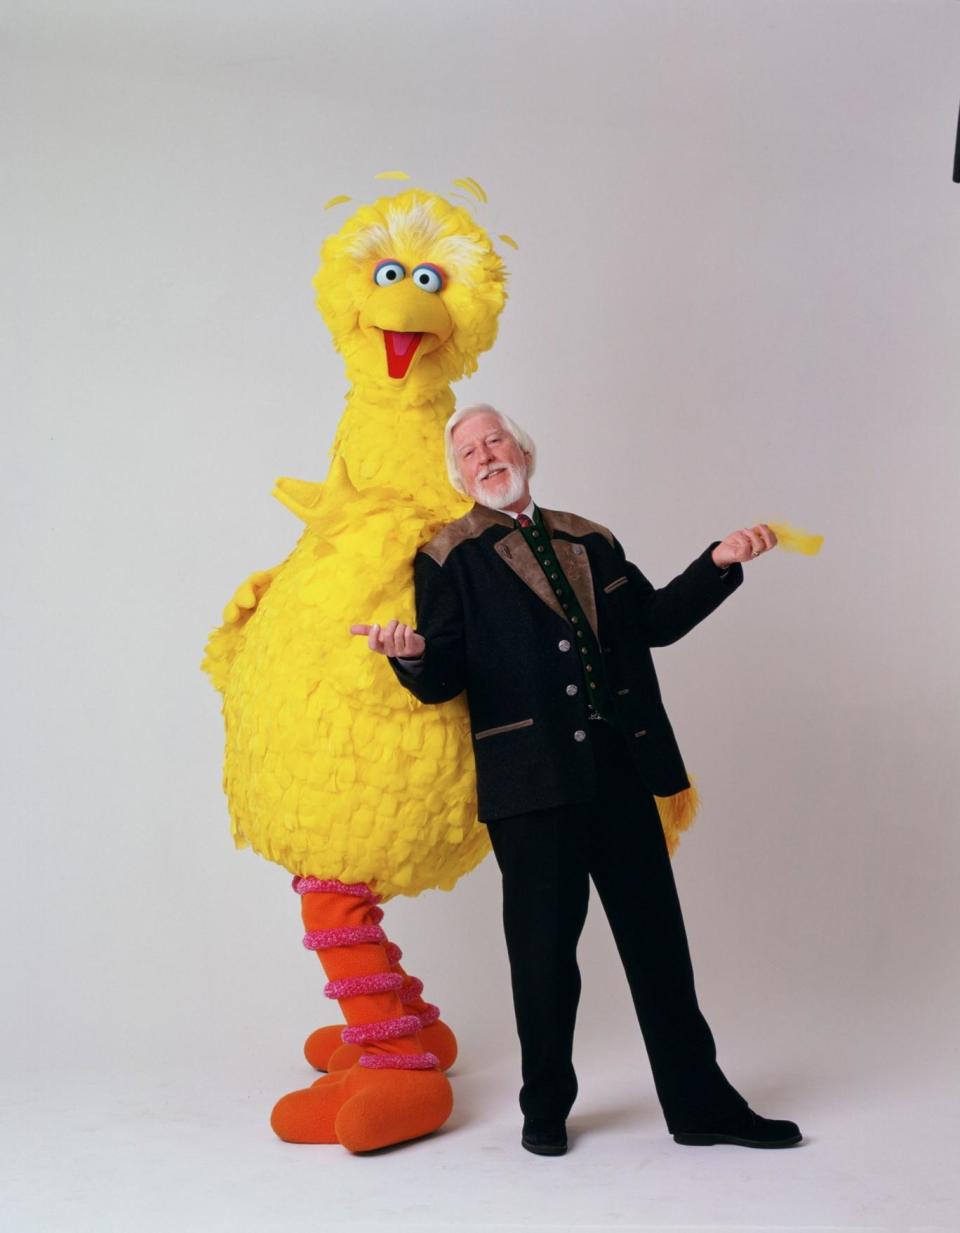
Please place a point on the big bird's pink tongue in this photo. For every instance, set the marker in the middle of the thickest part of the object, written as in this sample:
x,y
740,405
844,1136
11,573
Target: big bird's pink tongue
x,y
401,349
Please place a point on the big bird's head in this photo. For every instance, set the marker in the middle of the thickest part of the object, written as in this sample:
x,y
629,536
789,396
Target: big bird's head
x,y
411,289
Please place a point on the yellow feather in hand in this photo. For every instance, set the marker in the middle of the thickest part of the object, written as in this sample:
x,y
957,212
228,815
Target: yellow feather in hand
x,y
793,540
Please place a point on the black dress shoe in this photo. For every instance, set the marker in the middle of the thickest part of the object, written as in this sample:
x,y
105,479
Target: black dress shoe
x,y
745,1129
544,1138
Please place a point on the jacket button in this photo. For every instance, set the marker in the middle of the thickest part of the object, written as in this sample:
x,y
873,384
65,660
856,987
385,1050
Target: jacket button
x,y
577,550
642,732
579,735
563,644
572,689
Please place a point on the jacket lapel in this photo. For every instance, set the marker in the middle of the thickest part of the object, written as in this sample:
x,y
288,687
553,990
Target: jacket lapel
x,y
575,564
515,551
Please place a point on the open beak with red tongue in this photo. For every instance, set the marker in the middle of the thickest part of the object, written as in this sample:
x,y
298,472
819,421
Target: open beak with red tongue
x,y
401,348
412,324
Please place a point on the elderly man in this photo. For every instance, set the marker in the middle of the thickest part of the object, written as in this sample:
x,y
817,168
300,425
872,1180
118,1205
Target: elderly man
x,y
539,616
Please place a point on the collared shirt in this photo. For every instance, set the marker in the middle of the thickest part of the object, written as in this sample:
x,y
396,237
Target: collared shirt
x,y
510,514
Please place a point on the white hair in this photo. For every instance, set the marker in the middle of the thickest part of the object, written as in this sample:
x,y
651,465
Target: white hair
x,y
511,427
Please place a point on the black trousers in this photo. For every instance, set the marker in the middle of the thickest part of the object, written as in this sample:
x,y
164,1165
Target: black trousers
x,y
547,859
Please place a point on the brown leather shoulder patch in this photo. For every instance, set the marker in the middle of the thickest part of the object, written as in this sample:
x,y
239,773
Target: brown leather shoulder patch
x,y
573,524
468,527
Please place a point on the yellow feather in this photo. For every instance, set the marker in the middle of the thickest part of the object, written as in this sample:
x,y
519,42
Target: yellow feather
x,y
790,539
472,187
677,813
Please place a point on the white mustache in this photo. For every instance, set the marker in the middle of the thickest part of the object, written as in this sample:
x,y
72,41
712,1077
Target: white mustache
x,y
510,487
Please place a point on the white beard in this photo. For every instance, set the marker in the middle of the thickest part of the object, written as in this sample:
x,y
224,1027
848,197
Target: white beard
x,y
502,495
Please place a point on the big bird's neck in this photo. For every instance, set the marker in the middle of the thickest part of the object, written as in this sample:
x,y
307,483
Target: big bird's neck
x,y
390,438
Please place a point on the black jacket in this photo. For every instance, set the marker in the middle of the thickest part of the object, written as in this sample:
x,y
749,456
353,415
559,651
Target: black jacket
x,y
494,627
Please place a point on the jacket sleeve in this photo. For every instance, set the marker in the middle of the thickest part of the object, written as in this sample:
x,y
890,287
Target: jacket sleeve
x,y
440,673
667,613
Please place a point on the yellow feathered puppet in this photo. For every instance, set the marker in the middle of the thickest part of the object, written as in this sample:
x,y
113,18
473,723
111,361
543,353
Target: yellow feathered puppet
x,y
331,769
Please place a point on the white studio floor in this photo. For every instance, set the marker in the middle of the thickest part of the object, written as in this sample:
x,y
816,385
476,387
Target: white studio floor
x,y
181,1150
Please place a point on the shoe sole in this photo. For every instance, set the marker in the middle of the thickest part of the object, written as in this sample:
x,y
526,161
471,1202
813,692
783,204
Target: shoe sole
x,y
692,1140
551,1149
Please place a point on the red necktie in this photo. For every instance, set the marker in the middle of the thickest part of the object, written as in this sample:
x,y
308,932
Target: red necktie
x,y
524,521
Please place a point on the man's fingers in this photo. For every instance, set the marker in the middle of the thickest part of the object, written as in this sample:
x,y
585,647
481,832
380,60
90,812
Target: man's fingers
x,y
393,639
745,545
411,648
762,537
388,639
749,542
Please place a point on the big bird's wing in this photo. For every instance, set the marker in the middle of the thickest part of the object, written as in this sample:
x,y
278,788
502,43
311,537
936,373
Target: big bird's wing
x,y
224,642
303,498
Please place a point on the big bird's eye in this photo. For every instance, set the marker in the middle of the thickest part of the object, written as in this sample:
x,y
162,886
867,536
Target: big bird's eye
x,y
387,273
428,278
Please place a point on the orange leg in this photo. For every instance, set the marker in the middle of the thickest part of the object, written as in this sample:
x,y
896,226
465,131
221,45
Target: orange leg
x,y
394,1090
324,1048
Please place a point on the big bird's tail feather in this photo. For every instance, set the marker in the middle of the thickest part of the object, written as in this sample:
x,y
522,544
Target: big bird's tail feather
x,y
677,813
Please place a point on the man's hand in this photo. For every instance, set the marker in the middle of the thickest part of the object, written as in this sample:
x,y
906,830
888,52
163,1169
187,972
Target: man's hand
x,y
395,640
743,545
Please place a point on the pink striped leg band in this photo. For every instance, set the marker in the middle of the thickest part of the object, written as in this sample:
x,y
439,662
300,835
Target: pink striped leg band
x,y
429,1014
311,886
348,935
356,986
409,993
400,1061
381,1029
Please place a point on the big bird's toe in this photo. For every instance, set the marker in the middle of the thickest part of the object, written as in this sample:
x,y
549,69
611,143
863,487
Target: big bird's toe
x,y
309,1115
391,1106
320,1045
439,1039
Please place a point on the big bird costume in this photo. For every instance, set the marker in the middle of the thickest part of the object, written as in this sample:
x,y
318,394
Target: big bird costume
x,y
331,769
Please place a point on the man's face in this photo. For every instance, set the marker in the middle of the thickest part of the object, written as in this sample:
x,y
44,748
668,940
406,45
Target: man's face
x,y
492,466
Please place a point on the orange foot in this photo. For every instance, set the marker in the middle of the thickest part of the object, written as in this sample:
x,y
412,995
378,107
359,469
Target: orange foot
x,y
324,1049
365,1109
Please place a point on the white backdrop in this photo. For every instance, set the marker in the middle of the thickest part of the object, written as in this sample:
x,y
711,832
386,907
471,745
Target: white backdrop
x,y
735,300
